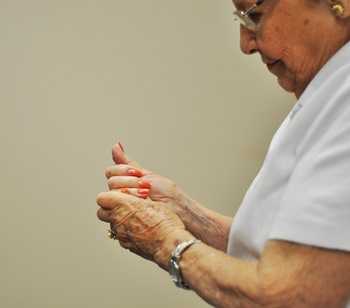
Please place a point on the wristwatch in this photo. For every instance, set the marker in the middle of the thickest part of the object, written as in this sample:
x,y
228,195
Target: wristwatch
x,y
174,263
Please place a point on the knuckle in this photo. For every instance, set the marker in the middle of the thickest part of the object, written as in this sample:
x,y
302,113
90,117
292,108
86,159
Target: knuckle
x,y
120,169
125,190
105,215
100,198
108,172
133,191
112,182
100,214
123,167
115,170
123,244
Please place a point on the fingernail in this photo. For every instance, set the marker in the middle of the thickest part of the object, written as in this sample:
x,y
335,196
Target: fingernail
x,y
121,146
144,184
134,172
143,193
124,190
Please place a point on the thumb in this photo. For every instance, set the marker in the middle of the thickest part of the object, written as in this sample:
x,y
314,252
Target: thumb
x,y
119,156
115,199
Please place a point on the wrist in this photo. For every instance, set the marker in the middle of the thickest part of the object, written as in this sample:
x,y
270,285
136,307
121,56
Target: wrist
x,y
162,257
174,263
184,203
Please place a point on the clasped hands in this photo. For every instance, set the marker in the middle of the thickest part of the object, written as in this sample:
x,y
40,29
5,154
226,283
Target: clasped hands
x,y
140,208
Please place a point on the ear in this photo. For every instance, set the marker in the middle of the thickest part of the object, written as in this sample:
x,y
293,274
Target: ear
x,y
340,8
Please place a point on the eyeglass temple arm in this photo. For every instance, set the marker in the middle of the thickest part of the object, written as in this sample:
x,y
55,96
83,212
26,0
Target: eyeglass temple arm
x,y
245,13
257,3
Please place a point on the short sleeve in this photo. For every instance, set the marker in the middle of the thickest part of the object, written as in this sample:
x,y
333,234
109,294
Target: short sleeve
x,y
315,207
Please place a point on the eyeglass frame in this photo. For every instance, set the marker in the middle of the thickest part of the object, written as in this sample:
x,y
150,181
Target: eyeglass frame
x,y
244,16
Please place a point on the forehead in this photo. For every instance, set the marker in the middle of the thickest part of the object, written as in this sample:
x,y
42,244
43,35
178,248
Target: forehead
x,y
243,4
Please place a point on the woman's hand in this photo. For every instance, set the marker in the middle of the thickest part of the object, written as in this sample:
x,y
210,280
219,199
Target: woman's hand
x,y
128,177
144,227
139,183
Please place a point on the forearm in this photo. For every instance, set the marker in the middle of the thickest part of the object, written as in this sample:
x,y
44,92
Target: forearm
x,y
206,225
221,280
287,275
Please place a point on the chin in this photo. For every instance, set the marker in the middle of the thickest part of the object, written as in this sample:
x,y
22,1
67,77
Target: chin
x,y
287,84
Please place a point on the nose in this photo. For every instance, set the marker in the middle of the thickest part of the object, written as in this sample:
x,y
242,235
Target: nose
x,y
248,41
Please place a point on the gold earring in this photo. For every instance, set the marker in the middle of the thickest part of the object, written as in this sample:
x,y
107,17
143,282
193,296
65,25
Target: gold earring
x,y
338,9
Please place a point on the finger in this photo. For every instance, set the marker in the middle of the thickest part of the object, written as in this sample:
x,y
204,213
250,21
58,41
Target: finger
x,y
105,215
119,156
113,199
107,201
125,244
137,192
120,232
116,182
117,170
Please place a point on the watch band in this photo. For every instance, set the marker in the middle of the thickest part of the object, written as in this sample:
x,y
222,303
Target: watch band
x,y
174,263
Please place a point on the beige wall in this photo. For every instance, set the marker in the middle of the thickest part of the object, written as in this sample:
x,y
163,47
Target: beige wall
x,y
164,77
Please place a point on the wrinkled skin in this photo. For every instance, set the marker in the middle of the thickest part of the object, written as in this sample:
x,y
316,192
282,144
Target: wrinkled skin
x,y
128,177
294,38
142,226
162,189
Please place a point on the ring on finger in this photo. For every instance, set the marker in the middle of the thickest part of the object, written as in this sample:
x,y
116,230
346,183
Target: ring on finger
x,y
112,234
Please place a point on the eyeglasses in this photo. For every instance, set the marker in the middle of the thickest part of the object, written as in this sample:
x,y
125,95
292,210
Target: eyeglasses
x,y
245,18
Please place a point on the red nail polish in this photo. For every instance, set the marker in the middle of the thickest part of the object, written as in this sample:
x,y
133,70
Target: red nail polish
x,y
143,191
134,172
121,146
144,184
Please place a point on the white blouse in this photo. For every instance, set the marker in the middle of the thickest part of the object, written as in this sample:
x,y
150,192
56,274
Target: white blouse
x,y
302,192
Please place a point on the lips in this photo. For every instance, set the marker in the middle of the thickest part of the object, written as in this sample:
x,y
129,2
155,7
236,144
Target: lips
x,y
271,64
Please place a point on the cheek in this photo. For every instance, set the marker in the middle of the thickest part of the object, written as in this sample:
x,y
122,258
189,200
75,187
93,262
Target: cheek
x,y
291,41
278,38
275,44
272,38
300,63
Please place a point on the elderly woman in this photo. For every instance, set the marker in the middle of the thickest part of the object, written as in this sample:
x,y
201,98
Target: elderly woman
x,y
289,243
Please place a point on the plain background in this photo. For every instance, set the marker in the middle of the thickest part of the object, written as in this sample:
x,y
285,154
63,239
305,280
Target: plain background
x,y
167,79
